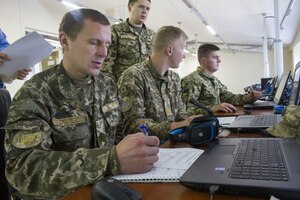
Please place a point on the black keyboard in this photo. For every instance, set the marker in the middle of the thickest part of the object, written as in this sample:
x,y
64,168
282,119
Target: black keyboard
x,y
259,160
264,120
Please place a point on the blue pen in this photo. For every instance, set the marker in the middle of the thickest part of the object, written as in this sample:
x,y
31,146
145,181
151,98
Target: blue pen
x,y
144,129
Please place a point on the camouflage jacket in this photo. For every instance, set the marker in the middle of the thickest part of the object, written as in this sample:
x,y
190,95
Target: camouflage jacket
x,y
208,90
60,134
151,99
128,47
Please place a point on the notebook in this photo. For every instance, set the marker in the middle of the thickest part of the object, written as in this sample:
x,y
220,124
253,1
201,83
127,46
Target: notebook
x,y
172,163
278,97
215,170
248,122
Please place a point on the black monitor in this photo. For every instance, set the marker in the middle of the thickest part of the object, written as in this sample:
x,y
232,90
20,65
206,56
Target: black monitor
x,y
295,94
264,82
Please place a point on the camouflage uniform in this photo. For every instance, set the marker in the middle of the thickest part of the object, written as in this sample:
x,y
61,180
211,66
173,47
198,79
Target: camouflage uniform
x,y
60,134
208,90
128,47
151,99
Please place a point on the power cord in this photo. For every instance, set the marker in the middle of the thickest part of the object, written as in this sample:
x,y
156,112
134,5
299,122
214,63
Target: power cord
x,y
212,190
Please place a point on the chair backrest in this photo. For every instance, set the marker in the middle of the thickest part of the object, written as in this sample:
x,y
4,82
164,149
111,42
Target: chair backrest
x,y
4,107
5,101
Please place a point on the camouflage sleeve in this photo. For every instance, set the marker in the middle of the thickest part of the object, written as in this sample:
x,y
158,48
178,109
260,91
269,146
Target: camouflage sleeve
x,y
229,97
109,61
191,89
33,168
131,88
182,113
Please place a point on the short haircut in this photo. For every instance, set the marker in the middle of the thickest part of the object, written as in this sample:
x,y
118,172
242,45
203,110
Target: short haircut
x,y
165,35
205,49
131,2
73,21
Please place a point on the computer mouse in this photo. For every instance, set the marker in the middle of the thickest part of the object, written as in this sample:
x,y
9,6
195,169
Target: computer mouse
x,y
112,189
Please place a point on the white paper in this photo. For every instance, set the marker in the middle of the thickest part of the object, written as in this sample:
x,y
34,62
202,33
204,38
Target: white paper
x,y
177,158
225,120
25,53
172,164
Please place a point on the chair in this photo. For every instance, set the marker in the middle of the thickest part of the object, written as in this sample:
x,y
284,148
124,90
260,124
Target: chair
x,y
4,107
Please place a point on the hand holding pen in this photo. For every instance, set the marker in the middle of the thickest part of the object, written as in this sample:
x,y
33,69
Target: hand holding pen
x,y
144,129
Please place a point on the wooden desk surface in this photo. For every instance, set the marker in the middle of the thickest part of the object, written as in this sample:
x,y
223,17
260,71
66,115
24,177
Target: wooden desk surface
x,y
175,191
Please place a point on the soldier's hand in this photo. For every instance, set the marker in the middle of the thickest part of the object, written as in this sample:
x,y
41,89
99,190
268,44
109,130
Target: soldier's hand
x,y
3,58
21,74
224,107
137,153
255,95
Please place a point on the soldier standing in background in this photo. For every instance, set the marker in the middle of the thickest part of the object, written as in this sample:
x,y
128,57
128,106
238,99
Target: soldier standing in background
x,y
150,92
131,40
206,88
63,121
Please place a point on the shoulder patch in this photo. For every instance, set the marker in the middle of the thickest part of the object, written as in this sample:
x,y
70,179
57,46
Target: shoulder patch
x,y
124,90
26,140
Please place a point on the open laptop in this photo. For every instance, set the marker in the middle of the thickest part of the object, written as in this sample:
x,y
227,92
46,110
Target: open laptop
x,y
253,122
295,94
222,168
278,97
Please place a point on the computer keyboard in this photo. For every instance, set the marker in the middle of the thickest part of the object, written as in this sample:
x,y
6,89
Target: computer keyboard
x,y
264,120
259,160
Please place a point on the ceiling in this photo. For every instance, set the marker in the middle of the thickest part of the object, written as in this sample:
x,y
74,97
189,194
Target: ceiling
x,y
239,23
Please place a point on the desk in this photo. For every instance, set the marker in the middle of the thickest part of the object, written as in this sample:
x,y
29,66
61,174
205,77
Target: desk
x,y
174,191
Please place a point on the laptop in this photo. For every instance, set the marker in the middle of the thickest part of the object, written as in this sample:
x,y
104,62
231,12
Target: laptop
x,y
253,122
295,94
278,97
223,169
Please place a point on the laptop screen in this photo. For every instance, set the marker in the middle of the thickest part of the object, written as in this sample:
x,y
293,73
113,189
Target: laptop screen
x,y
295,99
282,83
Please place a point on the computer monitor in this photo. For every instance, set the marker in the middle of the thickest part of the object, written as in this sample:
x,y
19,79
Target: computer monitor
x,y
264,82
280,95
295,94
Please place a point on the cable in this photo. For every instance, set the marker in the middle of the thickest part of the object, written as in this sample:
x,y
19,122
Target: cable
x,y
212,190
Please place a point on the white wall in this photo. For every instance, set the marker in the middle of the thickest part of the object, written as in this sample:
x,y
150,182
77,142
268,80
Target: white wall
x,y
237,70
19,15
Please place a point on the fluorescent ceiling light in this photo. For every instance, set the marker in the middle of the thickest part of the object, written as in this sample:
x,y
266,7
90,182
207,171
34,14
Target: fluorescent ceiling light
x,y
71,4
211,30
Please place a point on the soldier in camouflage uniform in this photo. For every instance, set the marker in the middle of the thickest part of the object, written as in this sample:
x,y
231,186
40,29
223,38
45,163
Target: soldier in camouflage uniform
x,y
63,122
131,40
150,92
208,89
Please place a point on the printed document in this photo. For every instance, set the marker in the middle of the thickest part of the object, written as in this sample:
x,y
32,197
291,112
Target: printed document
x,y
25,53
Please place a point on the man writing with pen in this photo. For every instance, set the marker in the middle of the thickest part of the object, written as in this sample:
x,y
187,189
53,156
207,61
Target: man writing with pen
x,y
150,92
203,86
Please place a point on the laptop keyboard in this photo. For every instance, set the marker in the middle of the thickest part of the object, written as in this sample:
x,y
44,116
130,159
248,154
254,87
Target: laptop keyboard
x,y
264,120
259,160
